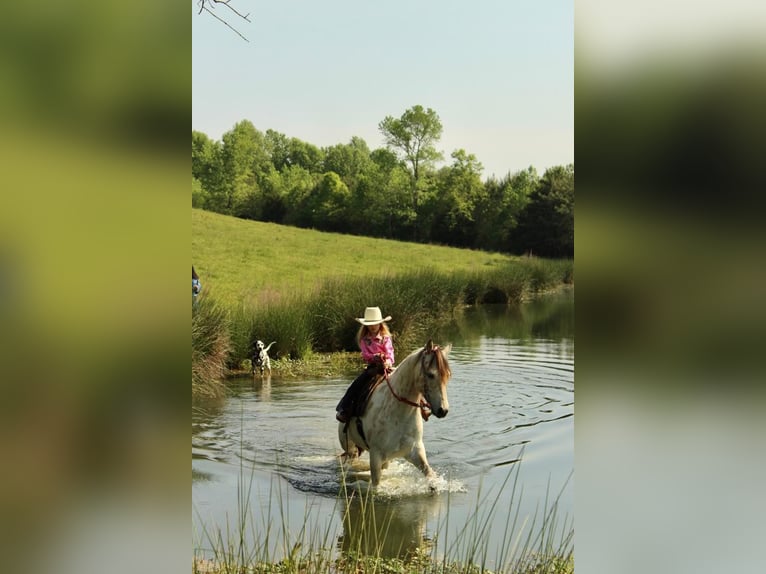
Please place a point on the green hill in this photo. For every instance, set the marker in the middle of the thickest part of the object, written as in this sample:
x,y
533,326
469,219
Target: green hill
x,y
250,261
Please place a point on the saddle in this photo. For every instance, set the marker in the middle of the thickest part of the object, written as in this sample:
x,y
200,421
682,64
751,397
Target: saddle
x,y
360,405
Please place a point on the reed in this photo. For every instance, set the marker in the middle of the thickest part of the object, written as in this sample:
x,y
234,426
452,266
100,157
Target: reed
x,y
211,347
538,544
420,302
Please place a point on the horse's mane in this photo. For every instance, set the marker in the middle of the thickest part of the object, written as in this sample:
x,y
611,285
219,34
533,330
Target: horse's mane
x,y
442,364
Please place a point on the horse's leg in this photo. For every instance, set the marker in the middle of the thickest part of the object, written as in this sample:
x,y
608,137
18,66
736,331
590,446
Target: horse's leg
x,y
376,464
349,447
417,456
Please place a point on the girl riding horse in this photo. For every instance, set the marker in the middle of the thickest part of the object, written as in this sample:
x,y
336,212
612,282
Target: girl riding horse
x,y
374,340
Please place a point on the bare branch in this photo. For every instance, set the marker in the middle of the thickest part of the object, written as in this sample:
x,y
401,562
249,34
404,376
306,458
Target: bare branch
x,y
227,3
209,5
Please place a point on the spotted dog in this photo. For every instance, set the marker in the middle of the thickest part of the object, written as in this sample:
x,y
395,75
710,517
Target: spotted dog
x,y
261,360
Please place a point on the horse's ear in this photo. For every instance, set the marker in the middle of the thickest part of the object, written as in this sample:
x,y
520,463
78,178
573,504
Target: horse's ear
x,y
447,349
430,345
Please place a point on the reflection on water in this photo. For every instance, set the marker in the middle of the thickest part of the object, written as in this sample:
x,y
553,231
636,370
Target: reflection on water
x,y
512,394
547,318
390,528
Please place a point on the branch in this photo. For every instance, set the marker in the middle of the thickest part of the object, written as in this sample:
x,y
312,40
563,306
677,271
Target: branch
x,y
206,5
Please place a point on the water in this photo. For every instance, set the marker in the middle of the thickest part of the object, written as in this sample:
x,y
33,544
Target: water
x,y
269,451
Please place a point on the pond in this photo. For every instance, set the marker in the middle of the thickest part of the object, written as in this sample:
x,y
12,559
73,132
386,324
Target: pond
x,y
264,464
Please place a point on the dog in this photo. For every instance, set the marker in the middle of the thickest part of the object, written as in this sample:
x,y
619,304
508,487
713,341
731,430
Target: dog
x,y
261,358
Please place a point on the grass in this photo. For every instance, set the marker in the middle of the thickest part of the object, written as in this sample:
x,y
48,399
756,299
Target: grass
x,y
536,544
302,289
255,262
210,348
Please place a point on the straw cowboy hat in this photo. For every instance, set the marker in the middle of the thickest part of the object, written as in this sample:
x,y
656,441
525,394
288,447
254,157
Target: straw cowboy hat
x,y
372,316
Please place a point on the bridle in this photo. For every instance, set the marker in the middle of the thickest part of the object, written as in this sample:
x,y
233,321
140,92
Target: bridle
x,y
422,404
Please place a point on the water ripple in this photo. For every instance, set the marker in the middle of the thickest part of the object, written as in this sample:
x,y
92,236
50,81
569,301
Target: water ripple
x,y
505,397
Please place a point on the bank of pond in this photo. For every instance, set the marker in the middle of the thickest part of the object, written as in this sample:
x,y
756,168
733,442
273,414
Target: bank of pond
x,y
314,331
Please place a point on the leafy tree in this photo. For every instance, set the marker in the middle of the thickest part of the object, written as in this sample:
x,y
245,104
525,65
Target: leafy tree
x,y
349,161
273,196
414,136
380,203
244,156
306,155
386,197
266,200
458,191
497,213
206,161
237,155
284,152
546,226
202,154
389,192
278,147
297,183
199,195
326,205
385,159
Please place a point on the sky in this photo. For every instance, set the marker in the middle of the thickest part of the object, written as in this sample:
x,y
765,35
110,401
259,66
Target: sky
x,y
499,73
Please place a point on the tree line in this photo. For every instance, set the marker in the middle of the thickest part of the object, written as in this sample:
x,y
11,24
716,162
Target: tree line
x,y
396,192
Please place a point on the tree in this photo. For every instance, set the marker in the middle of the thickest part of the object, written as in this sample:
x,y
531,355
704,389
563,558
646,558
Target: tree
x,y
546,226
327,203
458,191
278,146
388,197
298,184
199,197
206,164
497,213
306,155
349,160
266,199
414,136
242,155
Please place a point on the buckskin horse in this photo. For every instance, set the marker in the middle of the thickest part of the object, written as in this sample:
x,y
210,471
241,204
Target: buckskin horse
x,y
392,423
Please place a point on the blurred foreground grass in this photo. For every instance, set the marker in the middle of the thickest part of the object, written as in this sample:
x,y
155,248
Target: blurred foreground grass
x,y
670,263
94,230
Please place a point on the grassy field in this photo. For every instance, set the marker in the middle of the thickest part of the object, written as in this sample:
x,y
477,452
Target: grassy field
x,y
303,288
248,261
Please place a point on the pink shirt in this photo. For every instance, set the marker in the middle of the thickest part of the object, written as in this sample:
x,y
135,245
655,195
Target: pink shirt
x,y
372,346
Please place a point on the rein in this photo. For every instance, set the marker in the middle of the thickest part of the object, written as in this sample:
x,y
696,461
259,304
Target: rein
x,y
423,404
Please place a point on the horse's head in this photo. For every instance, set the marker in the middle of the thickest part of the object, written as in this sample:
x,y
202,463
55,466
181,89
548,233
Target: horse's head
x,y
436,373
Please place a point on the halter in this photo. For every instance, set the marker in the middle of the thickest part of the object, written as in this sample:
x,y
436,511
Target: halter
x,y
423,404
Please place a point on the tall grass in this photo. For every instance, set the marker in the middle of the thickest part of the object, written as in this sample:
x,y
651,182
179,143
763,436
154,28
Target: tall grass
x,y
303,288
421,301
541,543
210,347
322,320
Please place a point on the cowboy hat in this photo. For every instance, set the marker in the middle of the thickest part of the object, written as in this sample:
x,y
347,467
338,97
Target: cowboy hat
x,y
372,316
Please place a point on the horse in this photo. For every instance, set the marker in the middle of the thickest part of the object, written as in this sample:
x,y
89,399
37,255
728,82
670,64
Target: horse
x,y
392,424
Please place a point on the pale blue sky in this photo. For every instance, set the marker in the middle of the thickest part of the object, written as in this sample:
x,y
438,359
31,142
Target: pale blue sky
x,y
499,73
